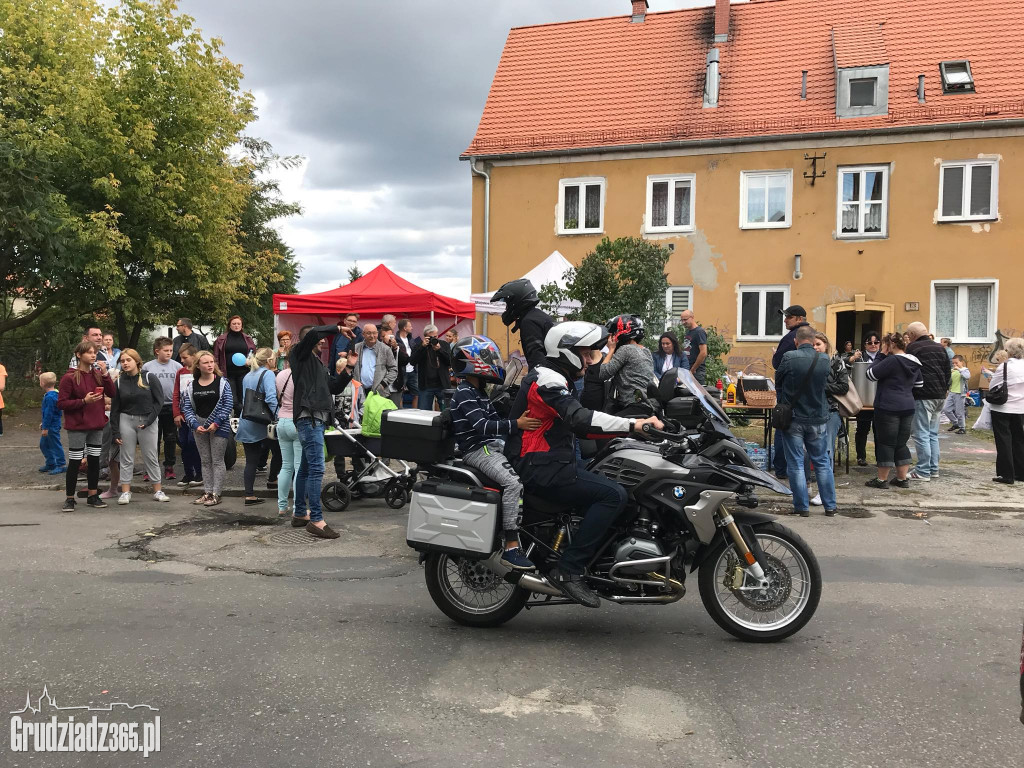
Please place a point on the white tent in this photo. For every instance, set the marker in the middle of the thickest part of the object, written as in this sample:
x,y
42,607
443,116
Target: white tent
x,y
551,270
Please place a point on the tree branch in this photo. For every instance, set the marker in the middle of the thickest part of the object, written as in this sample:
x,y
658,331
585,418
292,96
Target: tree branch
x,y
17,322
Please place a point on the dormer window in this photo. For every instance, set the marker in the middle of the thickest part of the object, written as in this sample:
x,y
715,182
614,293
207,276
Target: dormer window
x,y
862,91
956,77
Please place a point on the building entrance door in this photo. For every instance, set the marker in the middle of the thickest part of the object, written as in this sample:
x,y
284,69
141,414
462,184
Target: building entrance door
x,y
852,320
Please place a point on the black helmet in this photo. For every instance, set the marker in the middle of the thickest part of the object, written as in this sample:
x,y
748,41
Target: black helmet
x,y
519,296
626,326
478,356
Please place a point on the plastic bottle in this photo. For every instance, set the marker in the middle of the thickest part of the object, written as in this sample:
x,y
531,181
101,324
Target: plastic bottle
x,y
730,394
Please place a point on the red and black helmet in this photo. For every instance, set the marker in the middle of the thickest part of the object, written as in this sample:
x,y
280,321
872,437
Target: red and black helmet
x,y
628,327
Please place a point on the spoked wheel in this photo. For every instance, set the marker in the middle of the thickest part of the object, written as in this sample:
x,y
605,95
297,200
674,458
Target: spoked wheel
x,y
395,494
335,497
469,593
763,615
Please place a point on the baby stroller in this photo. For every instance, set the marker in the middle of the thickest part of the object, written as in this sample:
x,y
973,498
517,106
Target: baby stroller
x,y
370,478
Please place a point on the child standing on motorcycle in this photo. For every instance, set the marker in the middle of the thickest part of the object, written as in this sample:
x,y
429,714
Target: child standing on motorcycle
x,y
480,432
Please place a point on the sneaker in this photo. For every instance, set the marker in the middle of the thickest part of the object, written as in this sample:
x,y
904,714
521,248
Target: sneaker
x,y
515,558
862,462
97,502
831,512
183,483
261,470
145,477
876,483
195,483
802,512
816,501
900,483
45,468
961,431
69,505
935,475
572,587
161,496
110,493
915,475
953,428
271,485
125,498
58,471
169,473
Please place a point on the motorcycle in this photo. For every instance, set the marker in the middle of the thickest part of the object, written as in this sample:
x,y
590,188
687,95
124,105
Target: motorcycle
x,y
757,579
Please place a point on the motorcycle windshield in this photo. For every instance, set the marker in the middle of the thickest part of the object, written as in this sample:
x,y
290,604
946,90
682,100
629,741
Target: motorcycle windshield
x,y
686,379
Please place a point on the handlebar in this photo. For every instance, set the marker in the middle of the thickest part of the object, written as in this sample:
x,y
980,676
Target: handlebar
x,y
650,429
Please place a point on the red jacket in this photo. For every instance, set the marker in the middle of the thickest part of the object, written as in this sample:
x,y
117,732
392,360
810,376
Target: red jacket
x,y
80,416
176,397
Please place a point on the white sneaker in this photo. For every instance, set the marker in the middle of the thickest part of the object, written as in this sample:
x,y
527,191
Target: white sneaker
x,y
161,496
816,501
124,498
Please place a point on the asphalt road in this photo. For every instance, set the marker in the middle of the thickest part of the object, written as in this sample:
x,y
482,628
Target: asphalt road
x,y
260,647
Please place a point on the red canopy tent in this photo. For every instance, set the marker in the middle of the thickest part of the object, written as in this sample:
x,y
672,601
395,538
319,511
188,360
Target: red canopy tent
x,y
375,294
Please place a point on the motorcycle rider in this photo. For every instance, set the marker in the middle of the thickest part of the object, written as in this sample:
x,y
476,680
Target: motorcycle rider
x,y
523,317
545,458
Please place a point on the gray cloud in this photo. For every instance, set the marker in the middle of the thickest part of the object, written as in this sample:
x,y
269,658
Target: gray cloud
x,y
381,98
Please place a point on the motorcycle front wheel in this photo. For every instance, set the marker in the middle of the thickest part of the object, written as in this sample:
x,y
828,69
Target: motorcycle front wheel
x,y
763,615
468,592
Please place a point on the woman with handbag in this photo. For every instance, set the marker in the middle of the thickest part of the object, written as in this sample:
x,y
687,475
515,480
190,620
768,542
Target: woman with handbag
x,y
837,383
259,408
897,375
1006,400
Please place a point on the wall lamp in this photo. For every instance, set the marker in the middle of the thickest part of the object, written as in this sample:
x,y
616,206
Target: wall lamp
x,y
797,274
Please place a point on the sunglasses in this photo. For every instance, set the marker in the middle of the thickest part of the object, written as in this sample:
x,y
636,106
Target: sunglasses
x,y
875,341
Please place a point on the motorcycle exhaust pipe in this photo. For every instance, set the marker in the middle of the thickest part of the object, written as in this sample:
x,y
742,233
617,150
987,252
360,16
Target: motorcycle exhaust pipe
x,y
537,584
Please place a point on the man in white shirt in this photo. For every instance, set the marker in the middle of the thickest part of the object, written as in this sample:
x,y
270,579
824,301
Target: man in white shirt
x,y
166,370
406,339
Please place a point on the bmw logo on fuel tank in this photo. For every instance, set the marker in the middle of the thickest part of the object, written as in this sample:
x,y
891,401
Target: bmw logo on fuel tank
x,y
679,491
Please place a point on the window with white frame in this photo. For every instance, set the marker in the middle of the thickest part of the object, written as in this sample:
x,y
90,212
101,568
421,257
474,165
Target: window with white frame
x,y
581,206
677,299
964,310
863,201
760,312
766,199
670,203
968,191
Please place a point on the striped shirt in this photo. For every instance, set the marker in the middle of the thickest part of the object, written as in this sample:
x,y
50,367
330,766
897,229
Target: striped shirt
x,y
475,420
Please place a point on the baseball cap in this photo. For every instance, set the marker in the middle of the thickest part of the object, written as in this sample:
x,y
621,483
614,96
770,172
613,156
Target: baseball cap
x,y
794,311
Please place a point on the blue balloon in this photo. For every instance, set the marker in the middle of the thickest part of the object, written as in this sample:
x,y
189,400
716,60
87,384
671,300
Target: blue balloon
x,y
238,359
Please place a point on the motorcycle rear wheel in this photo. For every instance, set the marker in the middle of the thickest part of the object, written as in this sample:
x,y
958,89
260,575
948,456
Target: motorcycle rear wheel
x,y
470,594
769,615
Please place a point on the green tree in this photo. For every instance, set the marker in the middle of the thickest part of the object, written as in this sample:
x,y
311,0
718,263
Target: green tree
x,y
354,273
127,122
624,276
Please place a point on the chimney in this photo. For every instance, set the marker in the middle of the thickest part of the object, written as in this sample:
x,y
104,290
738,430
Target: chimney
x,y
721,21
711,80
639,11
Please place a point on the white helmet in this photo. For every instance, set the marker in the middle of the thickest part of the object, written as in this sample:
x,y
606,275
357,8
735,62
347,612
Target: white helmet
x,y
562,341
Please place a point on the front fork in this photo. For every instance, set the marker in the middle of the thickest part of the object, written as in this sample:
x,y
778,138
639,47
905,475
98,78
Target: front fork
x,y
753,568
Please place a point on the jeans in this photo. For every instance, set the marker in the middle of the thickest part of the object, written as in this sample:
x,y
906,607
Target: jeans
x,y
211,447
52,450
189,453
427,397
603,500
1008,429
926,436
311,469
779,454
892,431
291,457
831,430
812,439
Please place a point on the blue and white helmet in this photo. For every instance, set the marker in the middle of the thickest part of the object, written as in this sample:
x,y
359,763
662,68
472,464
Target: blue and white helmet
x,y
478,356
564,342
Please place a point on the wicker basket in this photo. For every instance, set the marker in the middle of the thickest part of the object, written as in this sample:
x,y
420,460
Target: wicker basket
x,y
760,398
747,386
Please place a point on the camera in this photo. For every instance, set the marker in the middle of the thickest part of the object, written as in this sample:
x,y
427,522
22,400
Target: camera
x,y
433,340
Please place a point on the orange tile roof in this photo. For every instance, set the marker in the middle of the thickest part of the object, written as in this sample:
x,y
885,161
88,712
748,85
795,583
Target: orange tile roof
x,y
605,83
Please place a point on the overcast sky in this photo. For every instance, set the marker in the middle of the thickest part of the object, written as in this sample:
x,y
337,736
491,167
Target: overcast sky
x,y
380,97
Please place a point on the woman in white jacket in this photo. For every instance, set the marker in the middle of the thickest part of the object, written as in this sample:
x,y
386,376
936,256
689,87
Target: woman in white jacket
x,y
1008,418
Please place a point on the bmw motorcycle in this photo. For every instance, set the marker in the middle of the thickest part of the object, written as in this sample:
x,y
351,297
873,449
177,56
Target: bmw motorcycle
x,y
691,500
